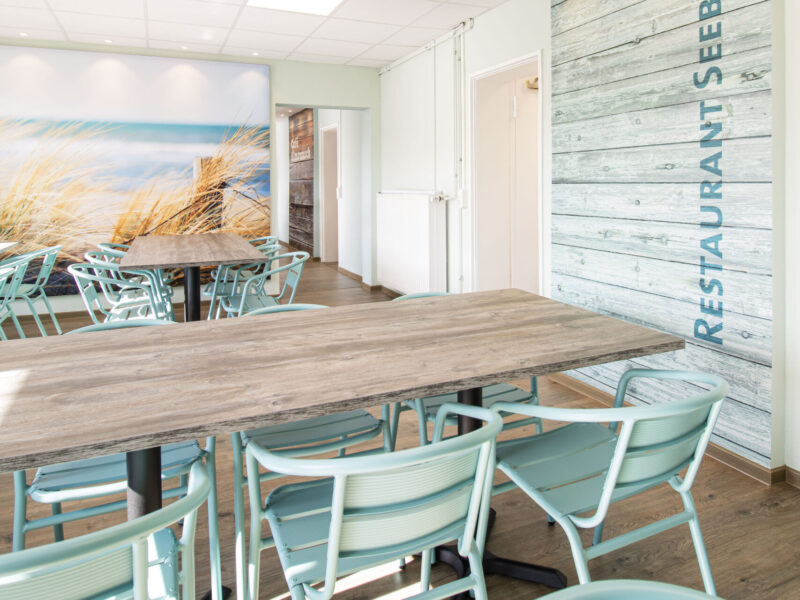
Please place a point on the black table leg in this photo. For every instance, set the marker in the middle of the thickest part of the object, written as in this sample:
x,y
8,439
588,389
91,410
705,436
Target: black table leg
x,y
144,482
191,294
494,565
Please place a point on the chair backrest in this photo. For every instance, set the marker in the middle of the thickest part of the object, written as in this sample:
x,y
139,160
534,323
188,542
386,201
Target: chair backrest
x,y
12,274
42,261
109,562
267,240
268,310
114,285
400,502
420,295
293,272
128,323
656,442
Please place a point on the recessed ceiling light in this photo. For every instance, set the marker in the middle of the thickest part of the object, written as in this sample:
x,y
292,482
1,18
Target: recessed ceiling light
x,y
109,42
184,47
255,53
313,7
23,34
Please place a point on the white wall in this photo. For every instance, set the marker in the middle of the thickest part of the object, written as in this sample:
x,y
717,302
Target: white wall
x,y
279,152
418,116
351,202
787,203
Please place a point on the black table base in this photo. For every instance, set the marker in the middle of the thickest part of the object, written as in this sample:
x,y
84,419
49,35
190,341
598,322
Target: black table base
x,y
493,565
144,466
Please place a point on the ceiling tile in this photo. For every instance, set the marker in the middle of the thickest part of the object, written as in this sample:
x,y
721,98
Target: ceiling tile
x,y
117,8
277,21
318,58
192,12
448,15
486,3
90,38
385,11
100,25
332,47
387,52
26,3
264,41
355,31
182,32
368,62
33,34
415,36
22,17
184,47
240,51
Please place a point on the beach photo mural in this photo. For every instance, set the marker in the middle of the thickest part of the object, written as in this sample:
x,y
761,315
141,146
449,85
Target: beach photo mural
x,y
106,147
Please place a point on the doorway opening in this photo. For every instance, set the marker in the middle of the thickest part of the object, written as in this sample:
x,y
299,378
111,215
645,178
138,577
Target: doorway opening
x,y
506,178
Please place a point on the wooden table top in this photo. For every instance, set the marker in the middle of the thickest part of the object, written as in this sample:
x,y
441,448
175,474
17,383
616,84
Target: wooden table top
x,y
193,250
77,396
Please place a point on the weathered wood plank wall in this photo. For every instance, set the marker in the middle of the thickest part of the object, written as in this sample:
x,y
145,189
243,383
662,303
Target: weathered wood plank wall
x,y
301,180
630,81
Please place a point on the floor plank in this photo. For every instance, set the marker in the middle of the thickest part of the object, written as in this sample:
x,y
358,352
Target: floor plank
x,y
751,530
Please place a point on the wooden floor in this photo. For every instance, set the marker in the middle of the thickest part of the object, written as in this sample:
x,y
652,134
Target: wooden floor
x,y
752,531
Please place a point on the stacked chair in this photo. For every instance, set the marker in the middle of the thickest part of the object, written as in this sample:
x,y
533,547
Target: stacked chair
x,y
141,559
370,510
98,478
12,274
23,278
314,436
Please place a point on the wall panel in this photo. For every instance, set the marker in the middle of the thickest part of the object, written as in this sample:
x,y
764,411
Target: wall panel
x,y
662,189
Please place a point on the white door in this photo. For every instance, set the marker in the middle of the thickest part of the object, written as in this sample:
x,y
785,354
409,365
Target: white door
x,y
329,185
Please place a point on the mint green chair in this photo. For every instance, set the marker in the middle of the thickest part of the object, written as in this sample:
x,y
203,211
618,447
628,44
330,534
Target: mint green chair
x,y
98,478
370,510
140,559
576,472
39,266
267,240
116,252
249,295
427,408
628,589
12,274
317,435
227,280
124,294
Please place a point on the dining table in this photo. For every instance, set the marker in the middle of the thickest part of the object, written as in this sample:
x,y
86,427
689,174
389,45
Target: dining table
x,y
131,390
190,252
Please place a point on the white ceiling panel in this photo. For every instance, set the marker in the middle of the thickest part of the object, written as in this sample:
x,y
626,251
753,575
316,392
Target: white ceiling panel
x,y
101,25
369,33
278,21
355,31
131,9
182,32
22,17
385,11
192,12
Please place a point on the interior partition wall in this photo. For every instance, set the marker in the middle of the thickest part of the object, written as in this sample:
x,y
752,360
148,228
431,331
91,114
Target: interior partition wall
x,y
662,189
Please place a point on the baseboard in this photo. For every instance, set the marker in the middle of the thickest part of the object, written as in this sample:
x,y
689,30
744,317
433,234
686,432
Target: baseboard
x,y
390,293
349,274
370,288
758,472
792,477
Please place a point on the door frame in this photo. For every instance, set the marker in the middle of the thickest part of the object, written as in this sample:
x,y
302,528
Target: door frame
x,y
322,203
544,205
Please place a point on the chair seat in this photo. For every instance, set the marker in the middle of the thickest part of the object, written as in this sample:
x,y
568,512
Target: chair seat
x,y
299,516
550,462
314,431
176,459
627,589
499,392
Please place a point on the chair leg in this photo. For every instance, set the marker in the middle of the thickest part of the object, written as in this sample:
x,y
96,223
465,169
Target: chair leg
x,y
256,516
213,521
58,528
20,510
578,555
396,410
422,420
699,545
298,593
425,571
476,572
17,326
598,534
238,517
52,314
35,316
